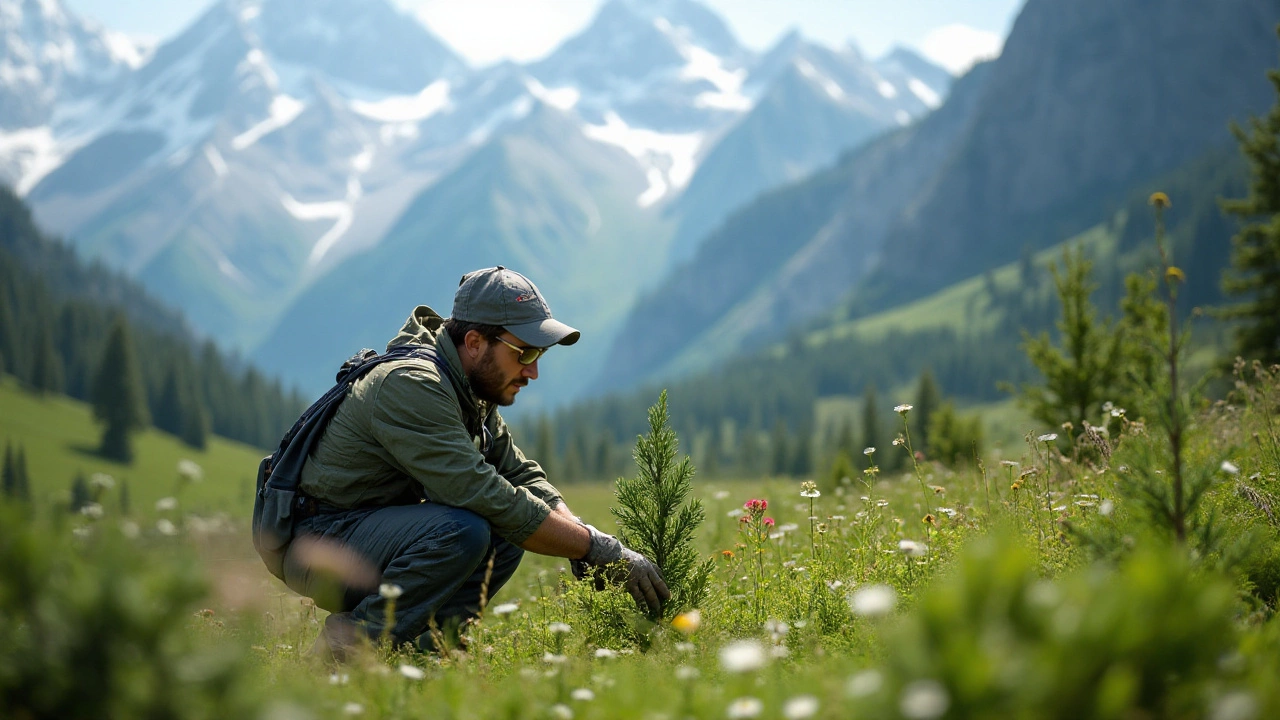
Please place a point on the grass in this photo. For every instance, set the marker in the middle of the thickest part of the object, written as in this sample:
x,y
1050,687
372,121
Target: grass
x,y
871,613
61,438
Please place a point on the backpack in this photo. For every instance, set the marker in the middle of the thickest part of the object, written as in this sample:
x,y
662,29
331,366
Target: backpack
x,y
280,472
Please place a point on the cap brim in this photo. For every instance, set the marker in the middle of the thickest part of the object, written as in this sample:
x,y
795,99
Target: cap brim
x,y
545,333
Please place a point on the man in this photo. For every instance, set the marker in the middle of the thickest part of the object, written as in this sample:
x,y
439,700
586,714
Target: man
x,y
418,478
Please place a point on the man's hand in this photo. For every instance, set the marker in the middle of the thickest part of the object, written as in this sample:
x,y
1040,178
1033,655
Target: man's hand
x,y
626,566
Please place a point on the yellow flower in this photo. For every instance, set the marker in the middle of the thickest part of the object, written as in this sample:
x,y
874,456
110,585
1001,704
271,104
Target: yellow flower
x,y
929,520
1159,200
1174,274
1016,486
688,622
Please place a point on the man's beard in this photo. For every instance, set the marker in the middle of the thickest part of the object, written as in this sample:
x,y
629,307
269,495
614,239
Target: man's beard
x,y
487,380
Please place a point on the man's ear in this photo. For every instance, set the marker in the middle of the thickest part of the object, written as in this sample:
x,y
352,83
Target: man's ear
x,y
474,343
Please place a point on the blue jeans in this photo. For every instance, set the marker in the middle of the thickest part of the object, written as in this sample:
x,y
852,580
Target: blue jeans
x,y
437,554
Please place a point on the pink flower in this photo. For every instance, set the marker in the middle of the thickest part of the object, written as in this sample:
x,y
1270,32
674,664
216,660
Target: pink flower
x,y
768,522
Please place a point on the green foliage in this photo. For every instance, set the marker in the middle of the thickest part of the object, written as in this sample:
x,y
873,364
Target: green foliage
x,y
957,440
118,395
1084,372
1254,278
995,640
97,629
179,412
928,398
654,517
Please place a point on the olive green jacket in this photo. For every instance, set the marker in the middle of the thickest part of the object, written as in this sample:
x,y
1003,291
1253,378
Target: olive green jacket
x,y
405,434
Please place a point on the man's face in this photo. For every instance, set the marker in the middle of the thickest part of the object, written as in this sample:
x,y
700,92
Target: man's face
x,y
498,375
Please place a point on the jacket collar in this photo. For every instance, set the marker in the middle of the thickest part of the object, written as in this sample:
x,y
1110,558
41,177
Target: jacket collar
x,y
424,327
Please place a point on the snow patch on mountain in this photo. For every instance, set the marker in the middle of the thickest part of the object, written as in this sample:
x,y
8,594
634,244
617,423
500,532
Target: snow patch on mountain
x,y
407,108
562,98
668,159
216,161
284,109
924,92
28,155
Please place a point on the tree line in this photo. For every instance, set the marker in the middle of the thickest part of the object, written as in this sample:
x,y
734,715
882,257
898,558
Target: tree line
x,y
79,329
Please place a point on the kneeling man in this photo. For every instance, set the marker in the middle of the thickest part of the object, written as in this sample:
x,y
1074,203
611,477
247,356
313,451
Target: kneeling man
x,y
418,477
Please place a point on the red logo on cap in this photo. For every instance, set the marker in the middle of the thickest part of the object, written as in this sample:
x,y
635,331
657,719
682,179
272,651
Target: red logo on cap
x,y
522,298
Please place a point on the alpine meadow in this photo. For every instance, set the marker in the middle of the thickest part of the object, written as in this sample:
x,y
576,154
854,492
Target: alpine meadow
x,y
928,396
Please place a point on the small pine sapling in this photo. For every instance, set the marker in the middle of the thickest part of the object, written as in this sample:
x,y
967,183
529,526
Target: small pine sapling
x,y
654,517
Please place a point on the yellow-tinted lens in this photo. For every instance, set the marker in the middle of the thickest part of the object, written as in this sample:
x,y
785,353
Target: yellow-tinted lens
x,y
528,355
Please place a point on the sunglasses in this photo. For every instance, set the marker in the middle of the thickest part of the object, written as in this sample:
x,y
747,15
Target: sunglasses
x,y
528,355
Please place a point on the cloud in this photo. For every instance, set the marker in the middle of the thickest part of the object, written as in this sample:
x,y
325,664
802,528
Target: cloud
x,y
957,47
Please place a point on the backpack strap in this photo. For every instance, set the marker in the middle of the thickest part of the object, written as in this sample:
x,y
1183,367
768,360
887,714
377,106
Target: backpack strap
x,y
285,466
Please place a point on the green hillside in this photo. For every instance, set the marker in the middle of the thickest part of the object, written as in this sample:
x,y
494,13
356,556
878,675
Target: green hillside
x,y
60,438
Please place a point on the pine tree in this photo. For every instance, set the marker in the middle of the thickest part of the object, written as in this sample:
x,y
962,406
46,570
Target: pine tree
x,y
1255,273
46,375
871,434
22,489
80,495
653,516
9,477
1084,372
927,401
118,399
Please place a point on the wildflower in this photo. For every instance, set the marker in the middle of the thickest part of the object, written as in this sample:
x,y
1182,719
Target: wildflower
x,y
868,451
789,527
809,489
390,591
1048,437
505,609
779,651
924,700
930,520
742,656
1230,468
101,481
685,647
688,622
835,584
686,672
911,548
551,658
776,628
559,628
1009,463
873,601
938,489
949,512
166,527
865,683
82,532
92,510
561,711
352,708
736,512
338,679
726,554
754,505
189,471
412,672
903,409
800,707
899,441
745,707
583,695
1017,485
721,494
1174,274
606,653
130,529
166,504
1159,200
768,522
1106,508
1117,412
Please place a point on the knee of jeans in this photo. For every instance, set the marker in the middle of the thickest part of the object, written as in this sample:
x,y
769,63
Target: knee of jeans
x,y
472,532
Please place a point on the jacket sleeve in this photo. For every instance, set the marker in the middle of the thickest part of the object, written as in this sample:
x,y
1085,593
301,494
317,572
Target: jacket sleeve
x,y
519,470
418,422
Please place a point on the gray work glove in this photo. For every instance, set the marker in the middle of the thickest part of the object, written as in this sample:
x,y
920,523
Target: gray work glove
x,y
623,565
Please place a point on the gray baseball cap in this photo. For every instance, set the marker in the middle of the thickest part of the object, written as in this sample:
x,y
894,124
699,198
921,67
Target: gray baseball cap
x,y
498,296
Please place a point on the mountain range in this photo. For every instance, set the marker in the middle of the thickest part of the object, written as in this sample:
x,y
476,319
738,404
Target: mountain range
x,y
294,175
1087,101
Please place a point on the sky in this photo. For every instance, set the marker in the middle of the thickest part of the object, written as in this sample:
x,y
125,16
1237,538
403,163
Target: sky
x,y
952,33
